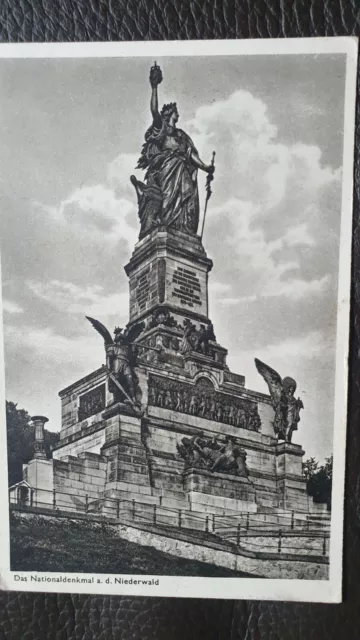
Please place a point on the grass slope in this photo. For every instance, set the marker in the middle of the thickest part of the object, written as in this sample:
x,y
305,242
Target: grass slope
x,y
62,545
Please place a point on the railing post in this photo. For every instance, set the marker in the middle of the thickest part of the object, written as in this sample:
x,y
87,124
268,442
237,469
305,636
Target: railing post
x,y
279,543
247,521
292,519
179,519
238,534
324,545
307,522
154,514
213,522
133,509
118,510
54,499
86,503
207,524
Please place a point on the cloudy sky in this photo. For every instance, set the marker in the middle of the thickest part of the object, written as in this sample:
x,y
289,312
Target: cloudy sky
x,y
71,132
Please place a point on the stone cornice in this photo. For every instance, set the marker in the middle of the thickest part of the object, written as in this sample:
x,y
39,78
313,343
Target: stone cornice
x,y
161,241
192,430
98,374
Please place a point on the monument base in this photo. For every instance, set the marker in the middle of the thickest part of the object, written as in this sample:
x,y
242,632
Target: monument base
x,y
291,483
219,484
125,452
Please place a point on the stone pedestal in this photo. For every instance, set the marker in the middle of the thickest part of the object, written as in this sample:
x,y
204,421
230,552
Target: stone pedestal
x,y
219,484
127,465
169,267
291,483
39,444
39,473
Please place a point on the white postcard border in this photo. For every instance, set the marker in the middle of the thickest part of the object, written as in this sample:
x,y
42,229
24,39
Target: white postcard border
x,y
225,588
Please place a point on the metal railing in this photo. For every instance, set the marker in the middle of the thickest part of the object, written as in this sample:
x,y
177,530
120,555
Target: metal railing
x,y
258,532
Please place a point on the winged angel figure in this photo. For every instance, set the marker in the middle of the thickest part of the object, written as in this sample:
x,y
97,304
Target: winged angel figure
x,y
120,359
286,407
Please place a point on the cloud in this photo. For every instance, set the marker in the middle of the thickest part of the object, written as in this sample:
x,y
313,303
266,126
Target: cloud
x,y
254,164
296,289
11,307
119,171
311,345
73,299
95,211
284,356
271,264
51,347
279,228
218,293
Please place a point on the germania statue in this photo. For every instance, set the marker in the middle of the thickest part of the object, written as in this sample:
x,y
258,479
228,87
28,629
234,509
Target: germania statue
x,y
169,196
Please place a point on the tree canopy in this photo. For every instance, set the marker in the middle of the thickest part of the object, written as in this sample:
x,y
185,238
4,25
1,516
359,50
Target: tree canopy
x,y
319,480
20,440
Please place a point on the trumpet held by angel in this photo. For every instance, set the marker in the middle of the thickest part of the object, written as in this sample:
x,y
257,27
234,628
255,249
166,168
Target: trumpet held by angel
x,y
287,408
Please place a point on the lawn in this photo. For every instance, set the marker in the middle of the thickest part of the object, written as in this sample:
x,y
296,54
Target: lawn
x,y
39,543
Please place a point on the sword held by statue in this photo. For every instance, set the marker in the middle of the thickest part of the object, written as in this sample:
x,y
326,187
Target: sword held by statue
x,y
209,179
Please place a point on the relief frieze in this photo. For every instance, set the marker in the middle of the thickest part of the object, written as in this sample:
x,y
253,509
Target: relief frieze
x,y
204,401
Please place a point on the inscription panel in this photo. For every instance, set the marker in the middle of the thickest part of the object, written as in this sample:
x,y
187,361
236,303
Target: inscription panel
x,y
202,400
92,402
186,287
161,279
143,289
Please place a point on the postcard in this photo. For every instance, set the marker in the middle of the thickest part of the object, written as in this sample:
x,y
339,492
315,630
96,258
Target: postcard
x,y
176,251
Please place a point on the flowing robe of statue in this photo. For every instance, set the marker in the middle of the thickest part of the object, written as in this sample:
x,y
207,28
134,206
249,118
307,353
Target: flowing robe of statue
x,y
170,167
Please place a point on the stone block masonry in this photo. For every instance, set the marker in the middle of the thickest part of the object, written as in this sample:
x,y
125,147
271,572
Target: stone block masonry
x,y
168,269
125,453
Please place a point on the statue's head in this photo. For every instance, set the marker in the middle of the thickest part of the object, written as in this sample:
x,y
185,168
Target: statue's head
x,y
170,114
289,385
118,336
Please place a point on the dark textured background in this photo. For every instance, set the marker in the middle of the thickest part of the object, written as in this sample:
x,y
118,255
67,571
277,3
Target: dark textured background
x,y
30,616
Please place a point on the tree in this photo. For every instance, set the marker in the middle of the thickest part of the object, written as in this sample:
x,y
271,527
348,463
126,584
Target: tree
x,y
310,467
319,480
20,441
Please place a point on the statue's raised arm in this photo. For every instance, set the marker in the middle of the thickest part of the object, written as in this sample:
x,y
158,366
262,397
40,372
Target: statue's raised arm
x,y
155,79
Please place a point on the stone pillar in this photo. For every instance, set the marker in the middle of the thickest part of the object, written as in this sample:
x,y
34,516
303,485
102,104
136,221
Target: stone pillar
x,y
39,472
267,414
127,474
39,446
291,483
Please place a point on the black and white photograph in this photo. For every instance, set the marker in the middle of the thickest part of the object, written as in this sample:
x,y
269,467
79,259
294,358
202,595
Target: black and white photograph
x,y
175,272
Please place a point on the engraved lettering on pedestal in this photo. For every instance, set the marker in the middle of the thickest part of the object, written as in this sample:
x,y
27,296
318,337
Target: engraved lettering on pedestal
x,y
142,289
161,279
187,287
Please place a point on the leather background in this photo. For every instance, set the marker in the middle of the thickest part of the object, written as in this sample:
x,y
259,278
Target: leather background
x,y
32,616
